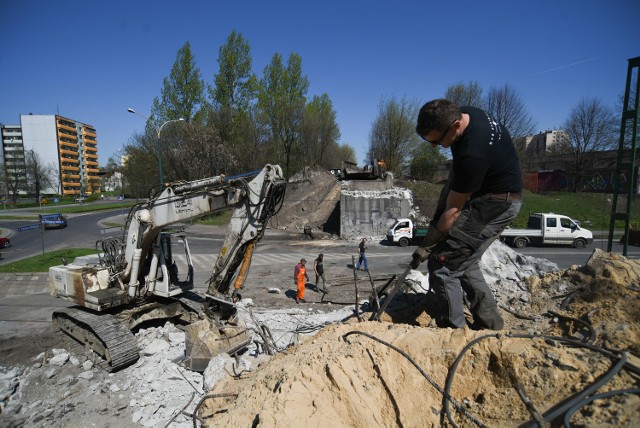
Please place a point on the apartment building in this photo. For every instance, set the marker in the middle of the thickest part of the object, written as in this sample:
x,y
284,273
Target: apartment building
x,y
66,147
545,141
14,178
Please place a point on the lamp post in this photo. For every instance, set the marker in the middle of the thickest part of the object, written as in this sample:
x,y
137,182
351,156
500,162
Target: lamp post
x,y
158,131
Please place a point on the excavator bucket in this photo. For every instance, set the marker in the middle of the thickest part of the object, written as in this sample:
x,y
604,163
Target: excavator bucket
x,y
207,338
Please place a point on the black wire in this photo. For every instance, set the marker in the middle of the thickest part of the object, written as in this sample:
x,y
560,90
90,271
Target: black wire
x,y
423,373
572,410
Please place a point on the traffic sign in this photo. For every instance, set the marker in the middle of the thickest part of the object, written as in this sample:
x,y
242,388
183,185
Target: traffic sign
x,y
50,216
28,227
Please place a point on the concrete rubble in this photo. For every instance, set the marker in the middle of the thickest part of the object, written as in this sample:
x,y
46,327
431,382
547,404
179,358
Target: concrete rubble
x,y
156,388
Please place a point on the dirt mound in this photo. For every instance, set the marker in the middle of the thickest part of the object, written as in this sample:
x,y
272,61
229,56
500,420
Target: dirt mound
x,y
310,200
346,378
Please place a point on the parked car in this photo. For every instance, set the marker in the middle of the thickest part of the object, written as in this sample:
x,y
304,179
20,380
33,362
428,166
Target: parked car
x,y
4,242
80,199
54,221
548,228
404,232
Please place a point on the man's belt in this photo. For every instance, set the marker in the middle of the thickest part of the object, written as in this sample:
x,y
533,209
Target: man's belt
x,y
507,197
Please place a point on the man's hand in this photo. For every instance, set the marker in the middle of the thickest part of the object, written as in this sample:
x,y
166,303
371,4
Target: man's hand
x,y
419,255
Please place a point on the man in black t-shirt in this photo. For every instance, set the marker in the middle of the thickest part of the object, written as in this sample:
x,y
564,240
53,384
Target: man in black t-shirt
x,y
481,198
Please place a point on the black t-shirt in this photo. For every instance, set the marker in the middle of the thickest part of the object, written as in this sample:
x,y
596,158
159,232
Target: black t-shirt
x,y
484,158
362,247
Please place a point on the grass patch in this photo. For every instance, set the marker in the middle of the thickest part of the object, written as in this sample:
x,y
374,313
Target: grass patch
x,y
593,210
217,219
43,262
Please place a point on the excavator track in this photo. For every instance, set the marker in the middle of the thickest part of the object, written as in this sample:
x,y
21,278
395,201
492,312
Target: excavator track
x,y
104,334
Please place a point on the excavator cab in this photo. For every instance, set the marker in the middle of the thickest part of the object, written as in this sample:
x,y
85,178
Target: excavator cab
x,y
174,276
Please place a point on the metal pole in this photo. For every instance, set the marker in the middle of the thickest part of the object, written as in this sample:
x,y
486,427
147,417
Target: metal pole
x,y
160,158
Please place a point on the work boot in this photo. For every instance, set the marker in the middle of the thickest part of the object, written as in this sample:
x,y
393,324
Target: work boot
x,y
303,300
325,291
297,301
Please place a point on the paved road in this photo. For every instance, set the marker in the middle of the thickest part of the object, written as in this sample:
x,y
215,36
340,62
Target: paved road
x,y
26,304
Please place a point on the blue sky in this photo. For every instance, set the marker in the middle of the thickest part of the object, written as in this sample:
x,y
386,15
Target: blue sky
x,y
91,60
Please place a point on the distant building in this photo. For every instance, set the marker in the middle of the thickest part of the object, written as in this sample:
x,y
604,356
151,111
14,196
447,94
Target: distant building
x,y
545,141
67,147
14,178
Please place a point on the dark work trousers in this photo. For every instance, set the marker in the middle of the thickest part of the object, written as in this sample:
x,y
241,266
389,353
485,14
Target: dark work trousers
x,y
454,265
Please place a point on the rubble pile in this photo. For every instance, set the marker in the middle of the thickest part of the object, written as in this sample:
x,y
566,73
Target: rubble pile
x,y
310,199
319,374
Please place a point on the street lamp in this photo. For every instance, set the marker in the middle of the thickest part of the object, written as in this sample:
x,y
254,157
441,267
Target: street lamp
x,y
158,131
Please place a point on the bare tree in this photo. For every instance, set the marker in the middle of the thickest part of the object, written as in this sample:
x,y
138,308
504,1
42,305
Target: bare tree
x,y
506,106
591,127
39,176
465,94
393,137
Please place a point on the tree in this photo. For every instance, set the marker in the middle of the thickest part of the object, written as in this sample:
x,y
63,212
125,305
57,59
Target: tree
x,y
39,176
393,137
232,98
182,93
320,132
506,107
141,168
281,99
465,94
591,127
235,83
426,161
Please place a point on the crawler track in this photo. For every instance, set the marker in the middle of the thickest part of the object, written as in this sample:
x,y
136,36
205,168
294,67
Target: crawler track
x,y
104,334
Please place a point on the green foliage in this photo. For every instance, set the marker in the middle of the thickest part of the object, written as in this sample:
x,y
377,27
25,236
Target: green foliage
x,y
221,218
393,137
182,93
320,132
426,161
281,99
235,83
43,262
593,210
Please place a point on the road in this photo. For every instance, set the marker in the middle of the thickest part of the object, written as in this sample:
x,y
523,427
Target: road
x,y
82,232
25,303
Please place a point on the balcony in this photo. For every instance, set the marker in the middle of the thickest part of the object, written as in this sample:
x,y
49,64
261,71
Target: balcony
x,y
91,163
90,133
70,176
96,170
66,126
91,155
68,144
71,136
66,169
68,152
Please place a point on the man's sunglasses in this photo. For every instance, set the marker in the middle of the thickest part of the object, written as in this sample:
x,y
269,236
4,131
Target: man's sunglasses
x,y
439,142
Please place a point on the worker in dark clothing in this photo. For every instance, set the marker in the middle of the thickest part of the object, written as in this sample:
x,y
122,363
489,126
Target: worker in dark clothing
x,y
481,198
362,256
318,267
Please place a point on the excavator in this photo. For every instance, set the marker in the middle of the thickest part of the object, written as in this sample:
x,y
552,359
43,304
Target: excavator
x,y
136,278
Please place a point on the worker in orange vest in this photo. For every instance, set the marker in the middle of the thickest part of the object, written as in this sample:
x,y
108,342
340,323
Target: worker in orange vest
x,y
299,276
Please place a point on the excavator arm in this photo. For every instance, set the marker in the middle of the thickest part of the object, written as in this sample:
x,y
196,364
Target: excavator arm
x,y
255,197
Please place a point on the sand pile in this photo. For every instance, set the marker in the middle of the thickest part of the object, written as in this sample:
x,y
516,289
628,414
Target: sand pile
x,y
356,380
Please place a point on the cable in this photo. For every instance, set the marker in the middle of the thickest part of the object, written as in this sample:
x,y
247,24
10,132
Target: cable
x,y
572,410
422,372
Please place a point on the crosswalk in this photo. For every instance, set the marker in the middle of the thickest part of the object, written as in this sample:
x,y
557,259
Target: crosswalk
x,y
12,285
206,261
